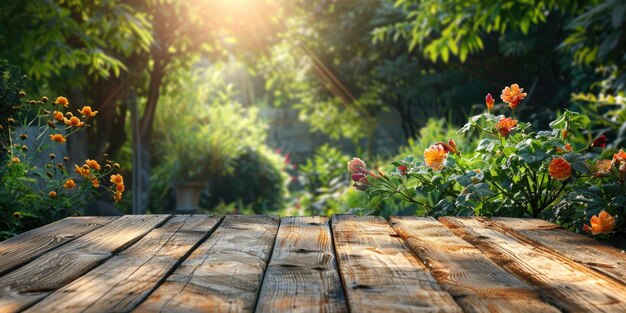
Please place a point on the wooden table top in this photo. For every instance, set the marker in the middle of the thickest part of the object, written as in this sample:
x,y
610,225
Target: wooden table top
x,y
200,263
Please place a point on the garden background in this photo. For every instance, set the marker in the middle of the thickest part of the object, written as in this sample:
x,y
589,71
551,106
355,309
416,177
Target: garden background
x,y
264,102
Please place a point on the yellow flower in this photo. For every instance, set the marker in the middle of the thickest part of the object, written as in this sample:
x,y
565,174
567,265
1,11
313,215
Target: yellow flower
x,y
434,156
513,95
86,110
58,138
52,194
73,121
58,116
559,169
603,223
17,215
117,179
15,160
93,164
62,101
69,184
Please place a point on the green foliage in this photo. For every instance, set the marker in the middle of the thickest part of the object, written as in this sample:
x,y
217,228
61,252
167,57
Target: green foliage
x,y
68,35
201,130
258,183
324,182
597,37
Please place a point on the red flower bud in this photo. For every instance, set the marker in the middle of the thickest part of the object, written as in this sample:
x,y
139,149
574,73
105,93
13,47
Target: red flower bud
x,y
452,144
489,101
402,169
358,176
599,142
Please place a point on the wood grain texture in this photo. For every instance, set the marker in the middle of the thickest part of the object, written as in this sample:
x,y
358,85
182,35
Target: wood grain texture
x,y
567,284
302,274
122,282
593,253
33,243
476,282
223,274
379,272
54,269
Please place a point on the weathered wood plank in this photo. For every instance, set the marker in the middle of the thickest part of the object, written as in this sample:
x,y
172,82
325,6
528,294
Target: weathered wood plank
x,y
54,269
223,274
595,254
476,282
302,274
567,284
379,272
122,282
33,243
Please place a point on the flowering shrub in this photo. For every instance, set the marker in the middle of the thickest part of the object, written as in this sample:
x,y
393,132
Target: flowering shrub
x,y
38,186
513,172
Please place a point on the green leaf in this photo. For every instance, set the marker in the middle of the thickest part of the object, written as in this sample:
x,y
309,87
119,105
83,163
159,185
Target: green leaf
x,y
570,120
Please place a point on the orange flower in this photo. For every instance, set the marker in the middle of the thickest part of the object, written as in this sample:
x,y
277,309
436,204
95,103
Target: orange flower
x,y
93,164
69,184
95,182
602,168
505,125
568,148
434,157
119,188
117,179
73,121
559,169
620,156
513,95
603,223
52,194
490,102
58,116
15,160
58,138
62,101
117,197
84,172
87,111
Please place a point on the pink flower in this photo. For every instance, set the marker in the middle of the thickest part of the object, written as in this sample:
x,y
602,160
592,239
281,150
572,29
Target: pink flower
x,y
357,165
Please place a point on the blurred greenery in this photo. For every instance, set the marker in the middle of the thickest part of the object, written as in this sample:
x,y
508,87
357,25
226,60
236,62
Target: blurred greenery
x,y
340,64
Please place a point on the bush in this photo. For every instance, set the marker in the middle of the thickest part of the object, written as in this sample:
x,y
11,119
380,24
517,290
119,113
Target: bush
x,y
37,184
513,172
258,182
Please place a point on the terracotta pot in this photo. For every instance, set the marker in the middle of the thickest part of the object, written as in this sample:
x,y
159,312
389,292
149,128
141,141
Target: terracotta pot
x,y
188,196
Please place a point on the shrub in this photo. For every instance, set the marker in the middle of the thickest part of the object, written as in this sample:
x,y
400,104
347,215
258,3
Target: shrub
x,y
38,185
258,181
513,172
